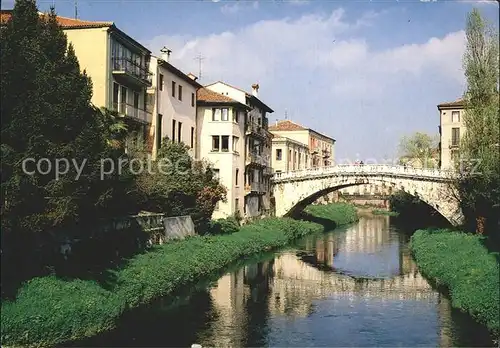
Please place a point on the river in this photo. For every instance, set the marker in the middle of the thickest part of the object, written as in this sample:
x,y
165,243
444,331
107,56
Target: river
x,y
355,286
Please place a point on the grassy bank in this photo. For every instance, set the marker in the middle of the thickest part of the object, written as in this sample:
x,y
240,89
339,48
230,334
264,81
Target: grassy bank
x,y
337,213
460,263
384,212
49,311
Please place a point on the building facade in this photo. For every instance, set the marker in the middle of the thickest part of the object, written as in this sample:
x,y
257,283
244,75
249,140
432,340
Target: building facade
x,y
118,66
174,104
257,148
221,140
289,155
451,131
321,147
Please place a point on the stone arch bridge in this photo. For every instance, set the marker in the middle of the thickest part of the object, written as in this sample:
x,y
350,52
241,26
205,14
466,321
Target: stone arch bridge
x,y
293,191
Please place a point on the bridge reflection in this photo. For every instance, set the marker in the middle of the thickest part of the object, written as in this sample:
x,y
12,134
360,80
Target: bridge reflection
x,y
290,284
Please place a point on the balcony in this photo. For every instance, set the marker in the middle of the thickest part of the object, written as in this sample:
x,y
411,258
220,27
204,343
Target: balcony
x,y
326,153
315,150
131,72
255,187
256,129
255,158
132,112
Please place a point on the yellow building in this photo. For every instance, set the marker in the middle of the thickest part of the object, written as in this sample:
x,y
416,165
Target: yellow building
x,y
321,147
118,66
288,155
451,130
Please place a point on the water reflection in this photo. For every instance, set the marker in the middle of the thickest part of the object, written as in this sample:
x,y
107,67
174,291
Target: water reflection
x,y
357,286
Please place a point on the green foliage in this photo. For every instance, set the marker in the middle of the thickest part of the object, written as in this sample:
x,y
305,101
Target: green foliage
x,y
51,311
419,150
46,112
461,263
179,185
384,212
340,213
479,183
224,226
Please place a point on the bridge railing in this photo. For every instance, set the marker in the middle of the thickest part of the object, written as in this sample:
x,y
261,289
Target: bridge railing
x,y
368,169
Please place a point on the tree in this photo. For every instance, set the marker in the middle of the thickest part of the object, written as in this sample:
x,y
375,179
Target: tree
x,y
479,180
179,185
46,113
419,149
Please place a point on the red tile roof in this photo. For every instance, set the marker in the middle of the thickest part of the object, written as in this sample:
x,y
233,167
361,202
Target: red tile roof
x,y
459,103
286,125
208,96
65,22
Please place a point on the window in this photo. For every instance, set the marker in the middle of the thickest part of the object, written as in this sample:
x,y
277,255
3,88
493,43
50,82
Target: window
x,y
236,177
235,144
161,82
116,90
192,99
279,154
225,114
216,174
215,143
225,143
192,137
173,89
235,115
136,104
179,132
180,92
455,136
215,114
455,116
158,131
173,130
236,206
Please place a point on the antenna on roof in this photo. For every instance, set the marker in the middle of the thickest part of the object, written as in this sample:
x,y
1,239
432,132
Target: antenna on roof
x,y
76,9
286,114
199,58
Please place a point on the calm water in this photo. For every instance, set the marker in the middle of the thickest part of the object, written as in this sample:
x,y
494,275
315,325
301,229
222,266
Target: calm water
x,y
356,286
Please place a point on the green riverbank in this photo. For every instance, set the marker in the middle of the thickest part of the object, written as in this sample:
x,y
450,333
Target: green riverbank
x,y
461,264
50,311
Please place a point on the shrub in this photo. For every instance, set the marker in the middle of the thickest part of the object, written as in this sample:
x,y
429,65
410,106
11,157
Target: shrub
x,y
50,311
460,262
340,213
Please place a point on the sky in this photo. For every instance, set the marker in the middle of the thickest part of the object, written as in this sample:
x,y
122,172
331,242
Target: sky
x,y
363,72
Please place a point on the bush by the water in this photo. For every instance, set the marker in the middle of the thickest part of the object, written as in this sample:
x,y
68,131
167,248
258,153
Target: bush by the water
x,y
460,263
223,226
340,213
51,311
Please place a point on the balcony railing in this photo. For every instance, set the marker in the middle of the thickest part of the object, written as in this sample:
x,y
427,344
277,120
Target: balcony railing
x,y
255,187
128,110
315,150
326,153
129,67
255,158
255,128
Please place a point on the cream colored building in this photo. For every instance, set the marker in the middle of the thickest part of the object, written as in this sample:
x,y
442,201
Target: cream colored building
x,y
174,104
321,147
288,155
257,148
221,140
451,131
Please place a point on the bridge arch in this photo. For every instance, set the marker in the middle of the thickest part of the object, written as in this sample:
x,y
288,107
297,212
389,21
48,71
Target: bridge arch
x,y
295,190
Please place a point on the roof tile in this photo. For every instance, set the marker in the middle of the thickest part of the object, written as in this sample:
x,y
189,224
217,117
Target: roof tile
x,y
206,95
286,125
65,22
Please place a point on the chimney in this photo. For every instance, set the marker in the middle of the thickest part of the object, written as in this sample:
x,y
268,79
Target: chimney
x,y
192,76
255,89
165,54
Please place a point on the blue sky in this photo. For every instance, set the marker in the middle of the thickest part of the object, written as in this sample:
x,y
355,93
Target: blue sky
x,y
363,72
